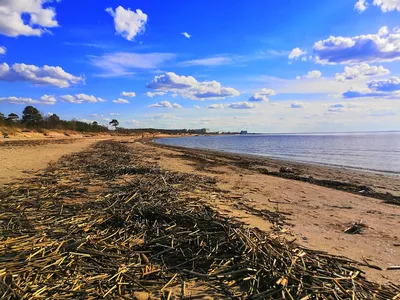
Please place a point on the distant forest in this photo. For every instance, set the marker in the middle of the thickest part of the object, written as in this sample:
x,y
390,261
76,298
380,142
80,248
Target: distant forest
x,y
32,119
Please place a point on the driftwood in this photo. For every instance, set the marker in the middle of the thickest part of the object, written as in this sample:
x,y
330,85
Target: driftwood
x,y
105,224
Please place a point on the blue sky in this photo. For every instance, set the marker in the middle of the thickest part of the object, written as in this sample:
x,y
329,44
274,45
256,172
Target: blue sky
x,y
268,66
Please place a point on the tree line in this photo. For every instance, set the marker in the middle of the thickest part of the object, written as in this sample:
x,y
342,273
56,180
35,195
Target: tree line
x,y
32,119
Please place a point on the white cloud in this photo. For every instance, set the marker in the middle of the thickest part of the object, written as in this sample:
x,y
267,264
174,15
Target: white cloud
x,y
81,98
128,94
297,105
256,97
242,105
313,74
215,106
197,107
126,63
296,53
385,85
166,104
322,85
261,95
361,5
362,70
94,115
12,22
383,46
114,114
211,61
45,99
121,101
3,50
132,122
186,35
190,88
154,94
388,5
342,107
128,23
46,75
164,116
380,89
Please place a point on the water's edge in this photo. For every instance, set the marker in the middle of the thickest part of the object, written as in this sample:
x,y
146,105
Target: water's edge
x,y
277,158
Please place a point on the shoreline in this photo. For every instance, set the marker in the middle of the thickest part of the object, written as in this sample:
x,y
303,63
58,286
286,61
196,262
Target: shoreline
x,y
367,183
288,160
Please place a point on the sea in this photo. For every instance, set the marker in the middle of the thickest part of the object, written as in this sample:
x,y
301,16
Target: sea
x,y
368,151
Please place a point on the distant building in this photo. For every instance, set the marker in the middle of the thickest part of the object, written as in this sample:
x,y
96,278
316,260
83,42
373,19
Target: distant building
x,y
202,131
243,132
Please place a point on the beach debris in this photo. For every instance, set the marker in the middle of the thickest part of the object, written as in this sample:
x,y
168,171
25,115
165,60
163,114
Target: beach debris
x,y
355,228
393,268
106,223
200,157
287,170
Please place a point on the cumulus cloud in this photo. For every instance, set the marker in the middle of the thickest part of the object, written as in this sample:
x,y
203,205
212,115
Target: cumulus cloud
x,y
297,105
154,94
126,63
186,35
242,105
81,98
385,88
313,74
262,95
121,101
128,23
46,75
358,93
361,5
215,106
166,104
45,99
197,107
190,88
385,5
114,114
128,94
383,46
296,53
359,71
3,50
14,12
388,5
385,85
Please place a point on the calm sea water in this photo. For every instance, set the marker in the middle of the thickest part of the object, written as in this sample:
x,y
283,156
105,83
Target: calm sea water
x,y
378,151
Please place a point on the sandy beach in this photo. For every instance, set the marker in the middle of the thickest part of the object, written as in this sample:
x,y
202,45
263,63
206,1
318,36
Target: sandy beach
x,y
255,191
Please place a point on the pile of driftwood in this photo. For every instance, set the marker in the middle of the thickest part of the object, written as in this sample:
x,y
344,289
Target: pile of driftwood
x,y
107,224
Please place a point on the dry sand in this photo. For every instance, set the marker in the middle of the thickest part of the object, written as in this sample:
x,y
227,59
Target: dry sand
x,y
316,216
18,161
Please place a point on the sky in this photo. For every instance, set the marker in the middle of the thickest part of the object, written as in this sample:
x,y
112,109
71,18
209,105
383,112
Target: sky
x,y
265,66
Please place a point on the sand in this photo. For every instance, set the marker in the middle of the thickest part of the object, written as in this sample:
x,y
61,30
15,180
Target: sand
x,y
316,216
21,161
